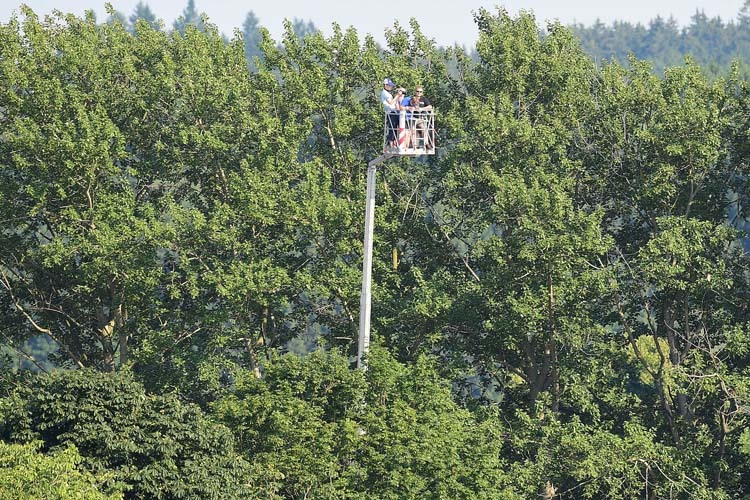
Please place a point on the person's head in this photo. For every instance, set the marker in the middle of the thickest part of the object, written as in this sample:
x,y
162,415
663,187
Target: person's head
x,y
419,91
388,84
401,90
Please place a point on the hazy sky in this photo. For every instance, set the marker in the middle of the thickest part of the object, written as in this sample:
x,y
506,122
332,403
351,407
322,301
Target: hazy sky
x,y
446,21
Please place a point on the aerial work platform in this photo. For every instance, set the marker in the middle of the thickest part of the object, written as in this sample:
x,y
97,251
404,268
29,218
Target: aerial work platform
x,y
409,132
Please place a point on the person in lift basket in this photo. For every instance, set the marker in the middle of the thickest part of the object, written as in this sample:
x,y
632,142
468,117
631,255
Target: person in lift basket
x,y
422,106
389,102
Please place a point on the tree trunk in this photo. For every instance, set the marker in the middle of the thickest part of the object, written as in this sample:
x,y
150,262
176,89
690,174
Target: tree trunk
x,y
551,350
675,357
123,340
723,430
252,356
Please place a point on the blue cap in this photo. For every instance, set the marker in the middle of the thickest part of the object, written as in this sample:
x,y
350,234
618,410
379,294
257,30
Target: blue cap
x,y
387,81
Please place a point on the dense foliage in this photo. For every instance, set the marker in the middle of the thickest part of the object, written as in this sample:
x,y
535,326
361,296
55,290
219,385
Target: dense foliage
x,y
314,426
562,294
151,446
26,473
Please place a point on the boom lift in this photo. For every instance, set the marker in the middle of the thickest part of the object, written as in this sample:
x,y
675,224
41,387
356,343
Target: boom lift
x,y
412,134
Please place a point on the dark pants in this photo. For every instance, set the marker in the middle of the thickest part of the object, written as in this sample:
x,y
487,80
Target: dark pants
x,y
392,125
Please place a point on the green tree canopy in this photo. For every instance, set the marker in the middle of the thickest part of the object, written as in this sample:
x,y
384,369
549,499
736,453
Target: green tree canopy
x,y
561,293
311,426
149,446
26,473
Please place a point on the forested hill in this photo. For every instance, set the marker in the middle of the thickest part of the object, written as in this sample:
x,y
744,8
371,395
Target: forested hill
x,y
560,300
713,43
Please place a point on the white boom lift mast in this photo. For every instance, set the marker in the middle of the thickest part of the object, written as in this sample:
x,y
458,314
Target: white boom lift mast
x,y
415,136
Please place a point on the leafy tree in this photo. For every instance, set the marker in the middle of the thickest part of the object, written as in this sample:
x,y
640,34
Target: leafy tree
x,y
586,461
523,255
124,228
664,183
26,473
329,107
313,427
150,446
55,199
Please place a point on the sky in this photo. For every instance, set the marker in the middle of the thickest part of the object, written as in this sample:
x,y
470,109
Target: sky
x,y
448,22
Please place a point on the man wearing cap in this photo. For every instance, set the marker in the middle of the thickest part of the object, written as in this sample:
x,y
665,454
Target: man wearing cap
x,y
389,106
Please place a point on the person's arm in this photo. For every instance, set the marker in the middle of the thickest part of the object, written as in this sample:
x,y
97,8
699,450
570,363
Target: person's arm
x,y
399,97
390,104
427,105
404,103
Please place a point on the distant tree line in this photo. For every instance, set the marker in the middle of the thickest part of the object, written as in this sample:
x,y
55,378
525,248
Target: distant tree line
x,y
713,43
190,16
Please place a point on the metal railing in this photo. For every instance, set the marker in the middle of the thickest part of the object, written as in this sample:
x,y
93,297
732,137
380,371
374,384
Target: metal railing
x,y
409,132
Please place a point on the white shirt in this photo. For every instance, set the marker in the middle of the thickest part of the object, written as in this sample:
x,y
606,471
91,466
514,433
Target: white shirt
x,y
385,97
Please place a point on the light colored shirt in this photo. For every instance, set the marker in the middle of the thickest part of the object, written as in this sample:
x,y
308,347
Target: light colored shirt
x,y
386,98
